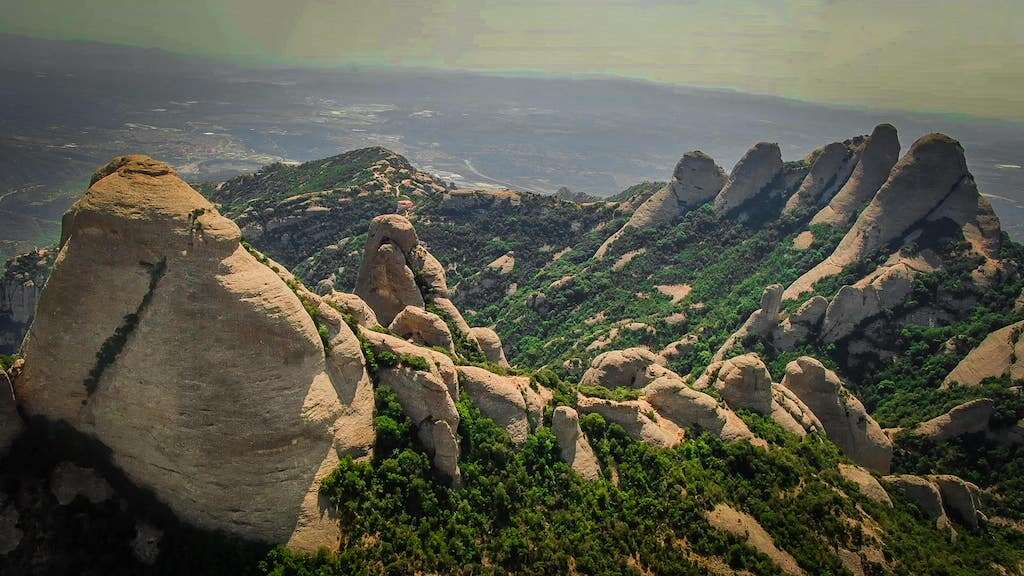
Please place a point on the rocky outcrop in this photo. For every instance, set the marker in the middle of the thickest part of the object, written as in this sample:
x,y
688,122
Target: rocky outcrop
x,y
490,345
930,183
801,325
830,167
744,382
426,328
760,323
508,400
747,528
884,289
960,499
629,368
158,329
843,417
679,348
695,180
22,281
922,492
575,449
637,418
1001,353
386,282
11,425
868,485
967,418
879,154
694,410
752,174
791,413
353,306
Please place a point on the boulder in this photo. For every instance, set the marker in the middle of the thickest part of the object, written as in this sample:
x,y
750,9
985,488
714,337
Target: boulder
x,y
695,180
158,329
1001,353
868,485
691,409
744,382
69,481
575,449
426,328
830,167
878,156
508,400
637,418
843,417
960,499
353,306
922,492
752,174
490,344
387,284
764,320
11,425
629,368
967,418
679,348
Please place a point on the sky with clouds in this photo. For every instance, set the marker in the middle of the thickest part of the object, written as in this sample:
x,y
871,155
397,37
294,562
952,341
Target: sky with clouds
x,y
924,55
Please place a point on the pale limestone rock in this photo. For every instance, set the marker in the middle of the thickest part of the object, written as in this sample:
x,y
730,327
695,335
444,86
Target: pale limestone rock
x,y
689,408
843,417
866,482
426,328
695,180
800,325
761,322
68,481
575,449
629,368
679,348
459,323
503,264
744,382
922,492
429,271
1000,353
637,418
830,168
220,359
755,171
960,499
791,413
387,284
354,306
930,182
504,399
967,418
879,155
490,344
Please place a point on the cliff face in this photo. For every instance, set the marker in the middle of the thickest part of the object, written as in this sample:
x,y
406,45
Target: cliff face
x,y
161,337
20,285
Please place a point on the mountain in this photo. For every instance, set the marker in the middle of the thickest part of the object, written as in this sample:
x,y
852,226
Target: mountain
x,y
800,367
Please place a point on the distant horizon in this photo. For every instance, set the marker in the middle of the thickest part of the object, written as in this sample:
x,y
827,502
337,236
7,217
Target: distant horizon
x,y
915,56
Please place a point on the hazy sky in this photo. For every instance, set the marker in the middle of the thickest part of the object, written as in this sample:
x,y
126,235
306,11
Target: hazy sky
x,y
925,55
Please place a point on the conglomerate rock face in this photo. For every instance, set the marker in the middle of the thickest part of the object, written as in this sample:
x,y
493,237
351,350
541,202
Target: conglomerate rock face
x,y
161,337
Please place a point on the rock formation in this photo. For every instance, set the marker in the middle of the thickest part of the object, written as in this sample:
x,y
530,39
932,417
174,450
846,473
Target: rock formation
x,y
879,154
744,382
386,282
692,409
353,306
868,485
695,180
929,183
200,347
575,448
922,492
830,167
843,417
637,418
755,171
629,368
490,345
967,418
1001,353
508,400
422,327
20,285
